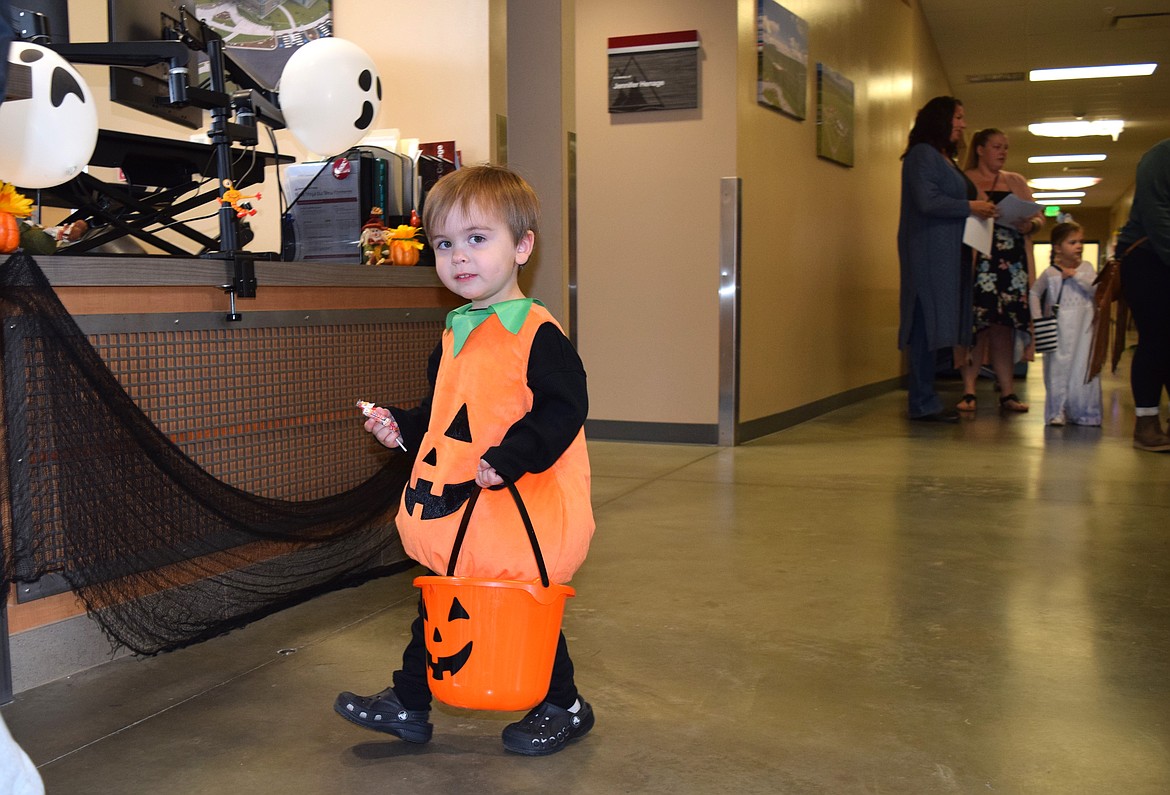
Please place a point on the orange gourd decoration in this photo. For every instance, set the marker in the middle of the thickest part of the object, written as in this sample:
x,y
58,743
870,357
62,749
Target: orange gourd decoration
x,y
12,206
404,247
479,395
9,233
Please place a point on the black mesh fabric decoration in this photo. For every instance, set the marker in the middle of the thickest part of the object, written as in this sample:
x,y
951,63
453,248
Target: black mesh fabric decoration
x,y
162,553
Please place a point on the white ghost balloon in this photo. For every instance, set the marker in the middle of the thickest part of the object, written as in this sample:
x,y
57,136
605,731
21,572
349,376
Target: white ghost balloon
x,y
48,138
330,93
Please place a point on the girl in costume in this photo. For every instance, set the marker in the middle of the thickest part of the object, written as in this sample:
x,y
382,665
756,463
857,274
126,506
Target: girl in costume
x,y
508,405
1066,290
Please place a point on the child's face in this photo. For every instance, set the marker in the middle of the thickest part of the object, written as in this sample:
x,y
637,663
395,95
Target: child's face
x,y
477,259
1071,247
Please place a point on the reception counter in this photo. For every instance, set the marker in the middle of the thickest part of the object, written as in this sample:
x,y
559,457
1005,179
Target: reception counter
x,y
262,400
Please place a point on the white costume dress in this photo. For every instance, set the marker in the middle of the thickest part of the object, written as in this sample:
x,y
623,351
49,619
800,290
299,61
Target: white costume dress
x,y
1069,398
18,775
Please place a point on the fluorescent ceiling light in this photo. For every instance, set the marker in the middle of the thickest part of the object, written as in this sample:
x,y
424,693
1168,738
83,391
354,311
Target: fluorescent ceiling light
x,y
1063,183
1058,202
1090,72
1067,159
1078,129
1059,194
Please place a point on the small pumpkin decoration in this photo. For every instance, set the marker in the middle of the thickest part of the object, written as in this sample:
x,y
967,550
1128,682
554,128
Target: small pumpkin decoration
x,y
404,245
9,233
12,206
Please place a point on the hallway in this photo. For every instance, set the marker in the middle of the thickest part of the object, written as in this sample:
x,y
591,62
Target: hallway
x,y
858,604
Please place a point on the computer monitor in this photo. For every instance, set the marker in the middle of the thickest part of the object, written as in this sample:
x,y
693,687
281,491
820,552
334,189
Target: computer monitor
x,y
147,88
40,21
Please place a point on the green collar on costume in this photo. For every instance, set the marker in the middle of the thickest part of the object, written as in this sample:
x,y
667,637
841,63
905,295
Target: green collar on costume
x,y
464,320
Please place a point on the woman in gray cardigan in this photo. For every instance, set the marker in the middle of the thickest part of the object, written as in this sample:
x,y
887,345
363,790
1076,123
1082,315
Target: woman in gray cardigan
x,y
936,304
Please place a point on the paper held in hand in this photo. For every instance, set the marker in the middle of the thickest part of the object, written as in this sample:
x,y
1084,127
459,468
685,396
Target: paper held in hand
x,y
977,234
1013,210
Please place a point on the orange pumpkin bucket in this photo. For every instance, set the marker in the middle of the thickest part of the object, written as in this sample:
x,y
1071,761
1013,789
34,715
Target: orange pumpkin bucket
x,y
491,643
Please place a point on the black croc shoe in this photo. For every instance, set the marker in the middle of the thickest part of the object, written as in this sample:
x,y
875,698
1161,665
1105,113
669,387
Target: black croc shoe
x,y
546,729
383,712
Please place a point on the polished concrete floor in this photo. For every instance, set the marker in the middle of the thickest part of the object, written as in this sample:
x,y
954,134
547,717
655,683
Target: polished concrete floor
x,y
855,605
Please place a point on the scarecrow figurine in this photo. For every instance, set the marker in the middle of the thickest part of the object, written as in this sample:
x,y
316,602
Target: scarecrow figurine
x,y
375,248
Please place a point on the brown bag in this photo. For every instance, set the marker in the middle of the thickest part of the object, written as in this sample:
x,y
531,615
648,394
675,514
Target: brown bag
x,y
1108,292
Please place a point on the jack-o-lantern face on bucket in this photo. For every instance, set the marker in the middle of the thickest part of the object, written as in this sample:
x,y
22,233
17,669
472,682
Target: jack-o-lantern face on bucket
x,y
447,452
455,635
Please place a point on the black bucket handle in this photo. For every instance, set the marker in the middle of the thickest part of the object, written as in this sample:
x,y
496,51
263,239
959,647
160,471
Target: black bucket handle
x,y
471,501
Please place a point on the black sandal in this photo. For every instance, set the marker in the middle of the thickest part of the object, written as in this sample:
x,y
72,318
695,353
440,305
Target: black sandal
x,y
1011,402
966,403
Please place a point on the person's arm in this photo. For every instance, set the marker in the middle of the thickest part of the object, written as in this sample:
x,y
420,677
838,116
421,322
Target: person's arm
x,y
1036,296
1083,279
925,169
1152,200
1019,186
560,403
412,422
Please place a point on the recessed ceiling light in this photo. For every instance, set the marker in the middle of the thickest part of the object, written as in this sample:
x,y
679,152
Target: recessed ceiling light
x,y
1066,159
1078,129
1063,183
1090,72
1058,202
1059,194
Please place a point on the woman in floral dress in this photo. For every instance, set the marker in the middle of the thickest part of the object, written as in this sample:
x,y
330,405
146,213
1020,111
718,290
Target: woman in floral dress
x,y
1003,324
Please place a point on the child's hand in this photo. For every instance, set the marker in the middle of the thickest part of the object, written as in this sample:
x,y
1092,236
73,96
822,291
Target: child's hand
x,y
486,476
379,416
386,433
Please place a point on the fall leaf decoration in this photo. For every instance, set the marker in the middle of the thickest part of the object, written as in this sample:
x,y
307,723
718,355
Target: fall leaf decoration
x,y
12,206
408,236
13,202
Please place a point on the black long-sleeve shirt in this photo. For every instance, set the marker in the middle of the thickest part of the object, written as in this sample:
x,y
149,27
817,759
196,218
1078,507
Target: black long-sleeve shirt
x,y
560,403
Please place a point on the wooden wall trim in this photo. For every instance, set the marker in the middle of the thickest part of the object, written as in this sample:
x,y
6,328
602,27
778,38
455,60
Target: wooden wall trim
x,y
145,271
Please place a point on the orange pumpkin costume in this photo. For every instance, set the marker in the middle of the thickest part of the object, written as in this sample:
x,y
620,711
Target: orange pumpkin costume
x,y
481,392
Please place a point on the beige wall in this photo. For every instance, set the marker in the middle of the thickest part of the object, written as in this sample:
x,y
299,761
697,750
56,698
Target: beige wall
x,y
648,197
819,262
820,267
820,273
540,116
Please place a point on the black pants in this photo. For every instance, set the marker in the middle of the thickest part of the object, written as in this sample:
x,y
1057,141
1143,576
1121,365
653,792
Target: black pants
x,y
413,690
1145,283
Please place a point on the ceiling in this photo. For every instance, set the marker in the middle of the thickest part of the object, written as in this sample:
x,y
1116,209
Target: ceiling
x,y
995,38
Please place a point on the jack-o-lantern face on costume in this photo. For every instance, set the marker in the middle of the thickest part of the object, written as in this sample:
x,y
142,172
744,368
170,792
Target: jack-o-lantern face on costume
x,y
453,495
456,636
480,392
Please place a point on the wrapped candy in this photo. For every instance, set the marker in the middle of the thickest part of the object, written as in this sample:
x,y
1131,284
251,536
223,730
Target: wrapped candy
x,y
371,410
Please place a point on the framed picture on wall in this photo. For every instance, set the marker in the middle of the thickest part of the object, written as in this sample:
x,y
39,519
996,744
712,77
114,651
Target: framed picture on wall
x,y
782,59
655,71
834,116
262,35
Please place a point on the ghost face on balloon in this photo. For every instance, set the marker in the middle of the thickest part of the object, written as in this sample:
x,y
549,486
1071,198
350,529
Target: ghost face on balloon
x,y
48,137
330,93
